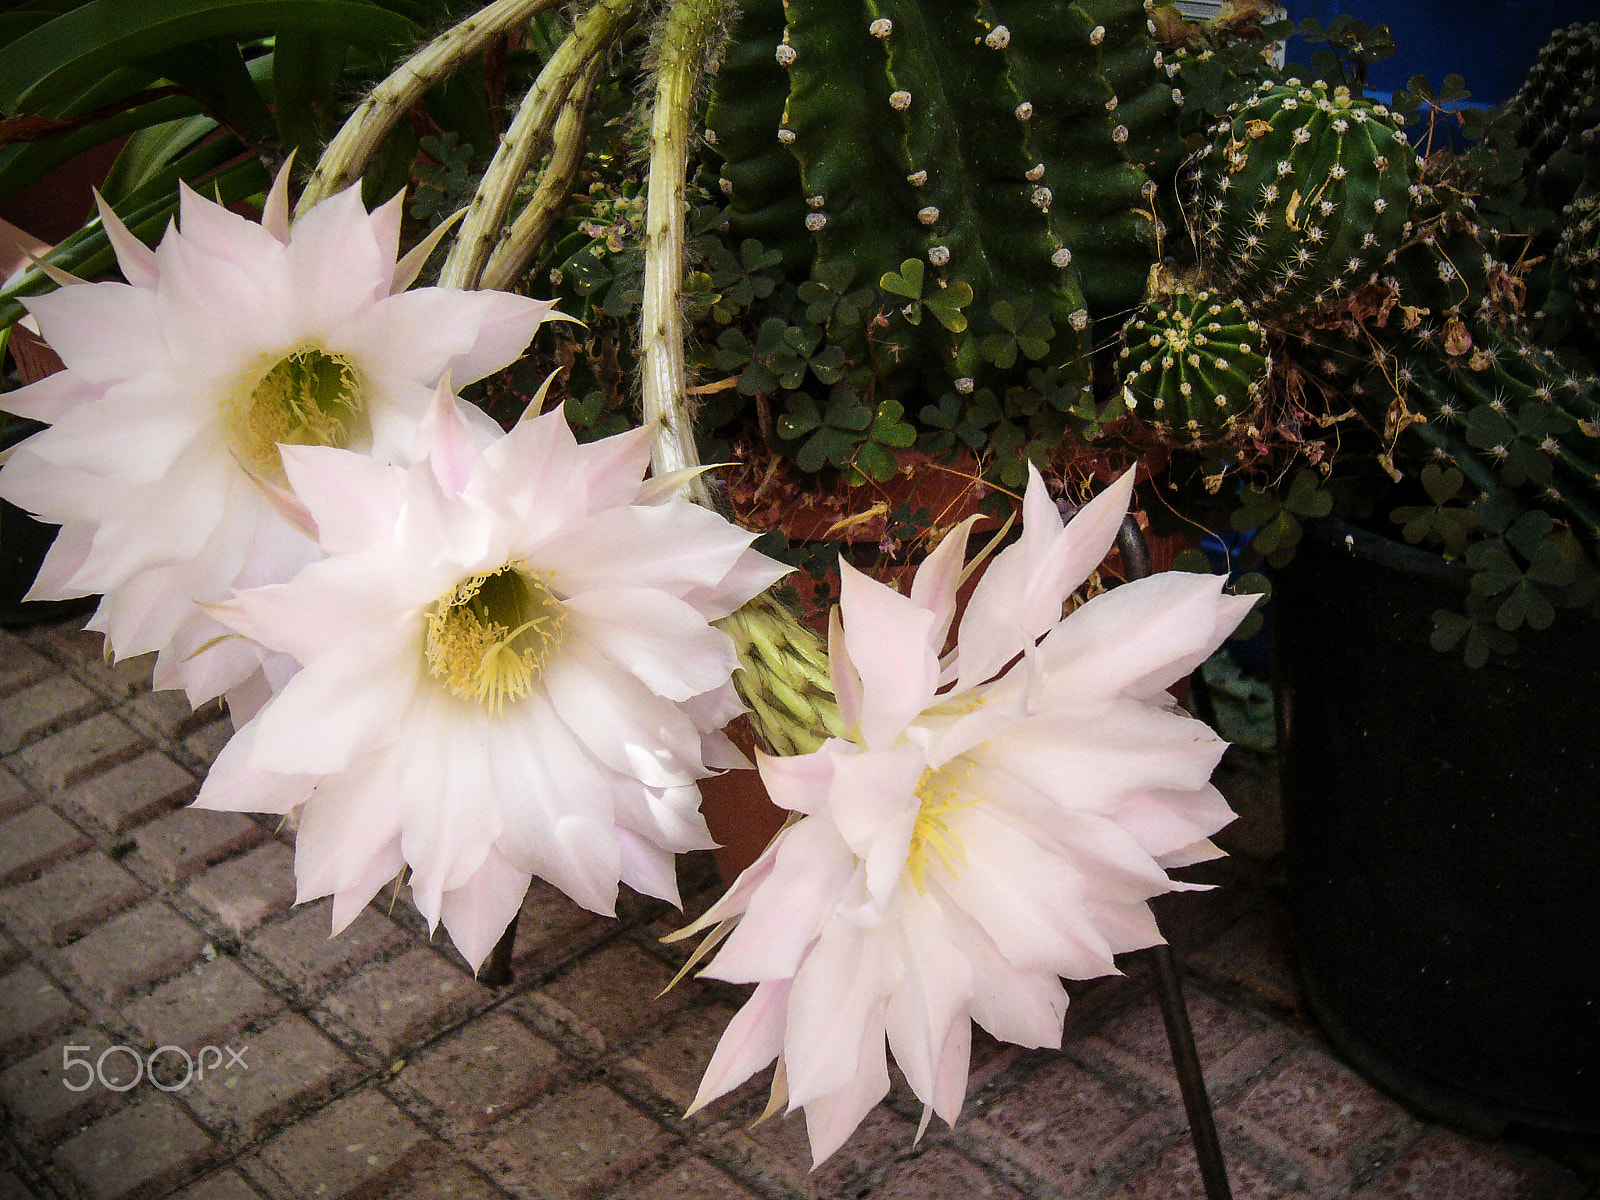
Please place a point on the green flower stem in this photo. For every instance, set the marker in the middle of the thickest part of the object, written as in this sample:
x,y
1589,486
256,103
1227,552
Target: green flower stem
x,y
533,224
688,43
592,37
353,146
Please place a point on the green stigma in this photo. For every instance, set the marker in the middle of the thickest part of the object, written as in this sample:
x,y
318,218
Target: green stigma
x,y
309,398
940,793
489,637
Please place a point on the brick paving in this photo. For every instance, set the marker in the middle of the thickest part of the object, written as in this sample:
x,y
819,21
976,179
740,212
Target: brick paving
x,y
289,1066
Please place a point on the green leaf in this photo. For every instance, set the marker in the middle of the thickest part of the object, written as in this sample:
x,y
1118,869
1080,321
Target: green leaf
x,y
1442,484
801,418
946,305
1305,499
889,429
846,411
46,65
875,462
907,282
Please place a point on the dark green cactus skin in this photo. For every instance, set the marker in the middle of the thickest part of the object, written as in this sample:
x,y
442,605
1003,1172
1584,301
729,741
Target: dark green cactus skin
x,y
1303,195
1147,102
1448,266
982,137
1579,257
1193,367
1502,409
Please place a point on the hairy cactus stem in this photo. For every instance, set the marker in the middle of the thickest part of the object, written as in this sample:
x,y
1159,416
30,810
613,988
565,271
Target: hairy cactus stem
x,y
592,36
688,45
533,224
357,141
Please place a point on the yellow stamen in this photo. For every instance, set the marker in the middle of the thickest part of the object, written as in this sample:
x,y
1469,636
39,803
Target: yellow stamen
x,y
307,398
940,792
489,637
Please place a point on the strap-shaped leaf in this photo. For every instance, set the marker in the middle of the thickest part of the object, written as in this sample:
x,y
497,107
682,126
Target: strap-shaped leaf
x,y
46,64
146,213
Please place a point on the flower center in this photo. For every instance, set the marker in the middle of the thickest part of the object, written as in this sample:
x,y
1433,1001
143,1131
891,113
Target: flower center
x,y
309,398
940,793
489,637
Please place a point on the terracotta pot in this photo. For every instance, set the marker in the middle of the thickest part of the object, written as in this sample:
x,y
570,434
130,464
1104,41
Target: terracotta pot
x,y
738,811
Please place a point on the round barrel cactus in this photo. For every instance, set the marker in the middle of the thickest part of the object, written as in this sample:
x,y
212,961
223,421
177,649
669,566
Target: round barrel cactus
x,y
1304,193
1193,367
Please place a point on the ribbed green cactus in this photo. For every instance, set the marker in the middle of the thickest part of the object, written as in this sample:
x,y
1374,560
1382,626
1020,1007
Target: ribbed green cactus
x,y
1303,195
985,139
1579,255
1193,367
1558,96
1503,410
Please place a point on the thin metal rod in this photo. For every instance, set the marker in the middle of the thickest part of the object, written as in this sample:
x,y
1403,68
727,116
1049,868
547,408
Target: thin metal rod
x,y
1169,991
1191,1082
496,970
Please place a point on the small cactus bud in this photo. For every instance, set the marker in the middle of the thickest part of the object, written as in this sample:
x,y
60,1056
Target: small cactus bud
x,y
999,38
928,215
939,255
881,28
965,384
1025,111
816,222
900,101
785,54
917,178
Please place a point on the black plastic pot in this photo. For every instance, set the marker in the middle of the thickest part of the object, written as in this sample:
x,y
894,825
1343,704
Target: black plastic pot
x,y
23,544
1442,828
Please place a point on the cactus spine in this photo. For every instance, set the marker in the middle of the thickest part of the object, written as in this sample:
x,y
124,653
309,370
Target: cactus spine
x,y
1304,194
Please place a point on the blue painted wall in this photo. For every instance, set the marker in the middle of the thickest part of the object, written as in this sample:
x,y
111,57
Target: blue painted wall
x,y
1490,43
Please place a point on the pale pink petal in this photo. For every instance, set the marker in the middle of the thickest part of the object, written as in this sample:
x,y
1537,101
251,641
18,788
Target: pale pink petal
x,y
211,228
1021,593
936,581
425,333
443,440
477,912
52,397
663,642
338,270
931,997
835,1029
623,723
647,868
353,499
275,212
842,673
782,916
330,711
138,261
752,573
752,1039
831,1119
1139,638
102,331
674,548
798,782
888,638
